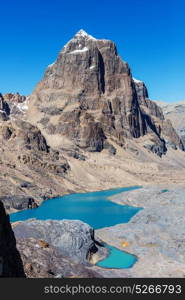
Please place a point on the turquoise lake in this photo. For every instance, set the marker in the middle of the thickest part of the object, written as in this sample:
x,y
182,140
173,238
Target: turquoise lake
x,y
117,259
95,209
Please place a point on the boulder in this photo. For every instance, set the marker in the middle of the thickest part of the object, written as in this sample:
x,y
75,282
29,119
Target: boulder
x,y
47,262
72,238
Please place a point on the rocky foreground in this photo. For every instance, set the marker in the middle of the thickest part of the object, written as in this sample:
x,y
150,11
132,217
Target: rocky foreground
x,y
57,248
47,249
51,249
156,234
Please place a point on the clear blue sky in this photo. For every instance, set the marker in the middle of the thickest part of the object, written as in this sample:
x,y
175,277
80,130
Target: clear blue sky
x,y
150,36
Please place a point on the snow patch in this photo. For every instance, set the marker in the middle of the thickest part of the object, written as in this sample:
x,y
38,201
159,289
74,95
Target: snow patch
x,y
23,106
83,33
51,65
79,50
77,38
136,80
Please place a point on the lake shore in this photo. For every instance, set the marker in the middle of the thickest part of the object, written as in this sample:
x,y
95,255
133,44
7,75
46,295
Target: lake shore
x,y
155,234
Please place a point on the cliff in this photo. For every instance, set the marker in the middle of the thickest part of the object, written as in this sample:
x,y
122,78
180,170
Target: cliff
x,y
175,113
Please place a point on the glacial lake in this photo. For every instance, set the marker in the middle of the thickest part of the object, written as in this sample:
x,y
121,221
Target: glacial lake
x,y
117,259
95,209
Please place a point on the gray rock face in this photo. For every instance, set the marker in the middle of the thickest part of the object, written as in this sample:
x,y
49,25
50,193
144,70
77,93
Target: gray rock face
x,y
3,116
157,123
24,135
32,137
42,260
175,113
14,98
4,109
141,89
46,249
10,260
16,104
157,146
88,95
15,202
73,239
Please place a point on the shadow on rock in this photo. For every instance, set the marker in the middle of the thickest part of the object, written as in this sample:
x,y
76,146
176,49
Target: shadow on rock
x,y
10,260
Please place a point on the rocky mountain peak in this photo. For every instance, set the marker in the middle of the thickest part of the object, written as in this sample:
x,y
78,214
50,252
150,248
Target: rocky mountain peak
x,y
141,89
86,66
83,34
78,42
89,95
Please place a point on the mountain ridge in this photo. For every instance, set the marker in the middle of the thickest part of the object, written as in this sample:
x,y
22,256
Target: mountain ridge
x,y
175,112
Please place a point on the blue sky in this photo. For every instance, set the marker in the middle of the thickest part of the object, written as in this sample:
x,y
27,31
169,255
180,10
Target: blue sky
x,y
150,36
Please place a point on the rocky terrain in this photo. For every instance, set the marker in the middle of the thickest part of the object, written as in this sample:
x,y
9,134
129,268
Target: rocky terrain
x,y
29,251
73,239
57,248
155,234
87,124
13,105
42,260
175,112
29,167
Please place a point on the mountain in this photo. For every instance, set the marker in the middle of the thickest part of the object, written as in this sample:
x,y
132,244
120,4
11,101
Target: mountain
x,y
89,97
88,125
175,112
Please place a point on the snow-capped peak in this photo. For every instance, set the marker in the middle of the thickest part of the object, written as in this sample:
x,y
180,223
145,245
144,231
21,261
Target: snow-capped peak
x,y
137,81
83,33
78,38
